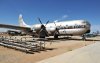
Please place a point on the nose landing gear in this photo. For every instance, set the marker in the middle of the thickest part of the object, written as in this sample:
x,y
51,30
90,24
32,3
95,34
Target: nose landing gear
x,y
83,37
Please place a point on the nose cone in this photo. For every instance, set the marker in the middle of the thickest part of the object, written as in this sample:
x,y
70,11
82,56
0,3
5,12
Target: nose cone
x,y
88,31
86,23
88,27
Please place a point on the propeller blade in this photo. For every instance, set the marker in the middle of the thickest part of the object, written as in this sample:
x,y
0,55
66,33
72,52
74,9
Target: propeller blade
x,y
40,20
47,22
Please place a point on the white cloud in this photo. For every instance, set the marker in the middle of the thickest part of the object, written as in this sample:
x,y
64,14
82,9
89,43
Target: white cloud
x,y
56,20
64,16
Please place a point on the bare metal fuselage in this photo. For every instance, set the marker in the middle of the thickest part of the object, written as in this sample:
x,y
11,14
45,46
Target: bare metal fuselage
x,y
75,27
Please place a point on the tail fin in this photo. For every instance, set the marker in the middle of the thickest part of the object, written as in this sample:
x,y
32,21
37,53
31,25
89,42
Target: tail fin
x,y
21,21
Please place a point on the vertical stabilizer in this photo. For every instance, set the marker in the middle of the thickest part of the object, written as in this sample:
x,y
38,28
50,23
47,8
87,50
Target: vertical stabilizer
x,y
21,21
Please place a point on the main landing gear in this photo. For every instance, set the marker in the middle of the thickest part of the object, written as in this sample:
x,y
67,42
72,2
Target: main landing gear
x,y
56,34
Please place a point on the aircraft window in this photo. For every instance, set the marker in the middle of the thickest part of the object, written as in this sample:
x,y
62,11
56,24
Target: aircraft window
x,y
84,26
66,25
81,26
86,22
70,27
76,26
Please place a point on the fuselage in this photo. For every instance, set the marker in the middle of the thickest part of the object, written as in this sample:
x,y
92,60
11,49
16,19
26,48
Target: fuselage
x,y
74,27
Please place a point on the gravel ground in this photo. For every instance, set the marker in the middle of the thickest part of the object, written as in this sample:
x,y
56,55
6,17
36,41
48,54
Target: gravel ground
x,y
59,46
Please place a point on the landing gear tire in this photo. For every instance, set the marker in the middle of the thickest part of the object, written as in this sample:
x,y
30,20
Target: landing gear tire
x,y
83,37
56,36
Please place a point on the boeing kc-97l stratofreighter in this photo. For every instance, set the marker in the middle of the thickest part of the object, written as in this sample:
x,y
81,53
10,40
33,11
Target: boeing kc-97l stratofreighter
x,y
73,27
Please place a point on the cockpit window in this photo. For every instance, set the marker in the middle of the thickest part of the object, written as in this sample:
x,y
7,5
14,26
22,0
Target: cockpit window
x,y
87,23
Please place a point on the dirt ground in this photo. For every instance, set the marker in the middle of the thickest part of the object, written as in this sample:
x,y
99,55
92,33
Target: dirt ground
x,y
59,46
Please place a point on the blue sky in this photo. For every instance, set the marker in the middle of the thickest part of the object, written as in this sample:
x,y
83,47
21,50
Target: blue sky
x,y
50,10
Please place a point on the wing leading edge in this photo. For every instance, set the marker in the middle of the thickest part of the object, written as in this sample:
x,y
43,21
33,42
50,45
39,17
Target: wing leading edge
x,y
15,27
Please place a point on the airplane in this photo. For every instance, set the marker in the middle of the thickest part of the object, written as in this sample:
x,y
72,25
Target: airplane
x,y
72,27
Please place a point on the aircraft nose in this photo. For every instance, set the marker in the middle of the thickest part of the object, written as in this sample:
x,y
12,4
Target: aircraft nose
x,y
88,31
88,24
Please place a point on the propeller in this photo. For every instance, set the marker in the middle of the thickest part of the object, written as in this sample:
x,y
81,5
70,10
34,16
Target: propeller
x,y
56,26
56,32
42,23
46,23
55,23
43,30
40,20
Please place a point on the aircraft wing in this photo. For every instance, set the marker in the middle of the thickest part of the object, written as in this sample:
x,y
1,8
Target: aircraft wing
x,y
15,27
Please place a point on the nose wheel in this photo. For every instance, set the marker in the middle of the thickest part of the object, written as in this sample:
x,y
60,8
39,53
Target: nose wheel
x,y
83,37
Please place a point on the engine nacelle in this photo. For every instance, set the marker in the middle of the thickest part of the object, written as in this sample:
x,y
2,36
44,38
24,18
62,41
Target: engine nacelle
x,y
36,27
51,30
